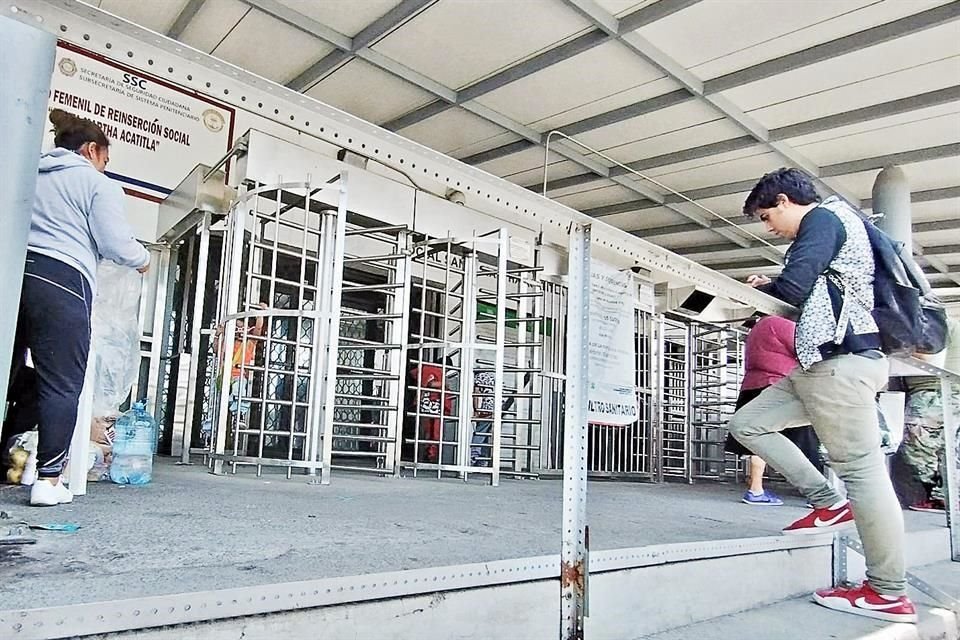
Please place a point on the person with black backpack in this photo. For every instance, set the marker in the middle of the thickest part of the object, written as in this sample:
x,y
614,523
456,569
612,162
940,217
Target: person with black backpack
x,y
829,275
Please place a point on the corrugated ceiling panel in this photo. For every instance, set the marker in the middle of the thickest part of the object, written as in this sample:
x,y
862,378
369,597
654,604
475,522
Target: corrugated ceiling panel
x,y
932,174
902,53
948,209
212,23
158,16
597,197
628,97
688,239
514,163
556,171
681,116
664,174
870,91
748,168
456,43
486,144
645,218
290,50
369,93
699,38
679,140
349,17
448,131
621,7
882,140
596,74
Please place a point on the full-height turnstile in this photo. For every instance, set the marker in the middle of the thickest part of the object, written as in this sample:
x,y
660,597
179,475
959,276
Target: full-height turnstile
x,y
278,328
474,359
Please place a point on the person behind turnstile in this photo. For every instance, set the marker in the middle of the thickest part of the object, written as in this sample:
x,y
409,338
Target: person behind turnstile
x,y
923,425
77,219
829,276
245,343
768,357
431,385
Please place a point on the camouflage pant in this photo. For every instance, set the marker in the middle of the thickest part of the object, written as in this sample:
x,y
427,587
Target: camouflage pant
x,y
923,438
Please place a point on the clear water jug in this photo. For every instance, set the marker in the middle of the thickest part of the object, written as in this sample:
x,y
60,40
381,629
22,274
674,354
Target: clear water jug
x,y
133,446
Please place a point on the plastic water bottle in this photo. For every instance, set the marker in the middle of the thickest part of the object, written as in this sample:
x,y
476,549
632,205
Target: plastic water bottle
x,y
133,446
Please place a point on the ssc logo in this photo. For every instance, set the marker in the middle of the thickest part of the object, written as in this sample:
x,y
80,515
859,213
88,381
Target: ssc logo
x,y
212,120
67,67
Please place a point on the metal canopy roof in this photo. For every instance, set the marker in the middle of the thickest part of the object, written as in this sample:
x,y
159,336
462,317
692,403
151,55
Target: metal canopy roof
x,y
702,95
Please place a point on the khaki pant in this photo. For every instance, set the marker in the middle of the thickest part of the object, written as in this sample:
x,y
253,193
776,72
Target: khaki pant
x,y
836,396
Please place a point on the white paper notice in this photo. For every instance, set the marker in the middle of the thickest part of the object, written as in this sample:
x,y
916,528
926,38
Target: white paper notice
x,y
612,391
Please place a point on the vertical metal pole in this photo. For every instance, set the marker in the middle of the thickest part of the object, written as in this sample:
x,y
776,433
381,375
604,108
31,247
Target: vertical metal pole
x,y
333,338
468,358
503,254
195,328
161,335
399,303
573,559
26,61
232,259
948,465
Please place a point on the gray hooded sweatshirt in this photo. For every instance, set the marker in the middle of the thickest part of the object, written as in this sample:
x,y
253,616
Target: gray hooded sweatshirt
x,y
78,217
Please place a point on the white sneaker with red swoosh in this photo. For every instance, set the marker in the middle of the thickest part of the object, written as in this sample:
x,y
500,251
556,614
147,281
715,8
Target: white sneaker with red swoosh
x,y
864,601
823,520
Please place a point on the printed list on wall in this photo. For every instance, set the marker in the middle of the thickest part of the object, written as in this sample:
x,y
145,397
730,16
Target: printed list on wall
x,y
612,390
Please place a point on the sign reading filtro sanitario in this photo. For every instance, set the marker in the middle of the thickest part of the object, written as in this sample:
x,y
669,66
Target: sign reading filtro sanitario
x,y
158,131
612,390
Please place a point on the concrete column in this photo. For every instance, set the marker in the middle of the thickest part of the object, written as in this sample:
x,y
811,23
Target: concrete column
x,y
26,65
891,197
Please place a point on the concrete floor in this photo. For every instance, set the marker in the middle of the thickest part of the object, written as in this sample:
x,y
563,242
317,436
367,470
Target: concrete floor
x,y
192,531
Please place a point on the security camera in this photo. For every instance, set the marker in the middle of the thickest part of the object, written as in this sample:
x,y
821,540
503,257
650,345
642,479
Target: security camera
x,y
456,197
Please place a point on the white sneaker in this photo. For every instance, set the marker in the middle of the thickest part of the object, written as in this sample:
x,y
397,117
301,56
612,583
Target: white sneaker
x,y
46,494
30,470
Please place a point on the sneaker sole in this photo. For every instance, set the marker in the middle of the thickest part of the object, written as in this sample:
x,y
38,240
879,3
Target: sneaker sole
x,y
762,504
843,605
922,510
809,531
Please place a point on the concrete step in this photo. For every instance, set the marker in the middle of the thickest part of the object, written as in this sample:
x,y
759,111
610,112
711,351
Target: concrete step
x,y
801,619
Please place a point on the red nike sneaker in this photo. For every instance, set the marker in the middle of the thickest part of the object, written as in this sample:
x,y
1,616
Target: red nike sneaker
x,y
864,601
824,520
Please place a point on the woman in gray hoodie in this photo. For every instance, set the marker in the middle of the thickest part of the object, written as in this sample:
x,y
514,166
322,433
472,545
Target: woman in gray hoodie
x,y
77,219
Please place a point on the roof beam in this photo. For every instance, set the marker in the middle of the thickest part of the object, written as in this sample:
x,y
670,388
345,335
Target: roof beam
x,y
320,70
186,14
835,48
652,13
604,22
530,66
450,97
348,47
941,250
498,152
855,116
904,157
819,124
929,195
865,114
838,169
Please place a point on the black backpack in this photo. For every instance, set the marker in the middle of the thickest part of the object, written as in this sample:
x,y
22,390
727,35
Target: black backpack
x,y
910,317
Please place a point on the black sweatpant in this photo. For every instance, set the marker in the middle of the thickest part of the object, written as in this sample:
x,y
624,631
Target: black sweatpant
x,y
54,324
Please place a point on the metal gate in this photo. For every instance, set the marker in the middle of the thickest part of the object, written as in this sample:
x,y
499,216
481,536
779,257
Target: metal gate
x,y
278,317
717,359
474,360
630,451
370,358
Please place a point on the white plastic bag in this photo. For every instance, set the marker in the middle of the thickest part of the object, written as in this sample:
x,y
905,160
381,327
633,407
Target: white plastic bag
x,y
115,339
